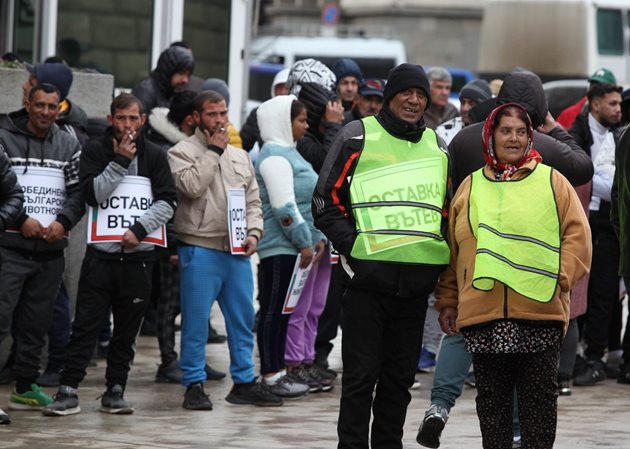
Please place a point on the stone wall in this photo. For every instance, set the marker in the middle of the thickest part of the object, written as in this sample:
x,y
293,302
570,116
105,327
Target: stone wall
x,y
114,36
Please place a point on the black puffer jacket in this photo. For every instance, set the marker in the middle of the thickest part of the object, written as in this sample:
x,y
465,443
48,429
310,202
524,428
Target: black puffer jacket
x,y
557,148
314,145
11,197
157,90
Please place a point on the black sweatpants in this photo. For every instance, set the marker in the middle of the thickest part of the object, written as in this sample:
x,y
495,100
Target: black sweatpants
x,y
603,287
167,308
28,286
330,317
272,324
381,340
125,286
535,377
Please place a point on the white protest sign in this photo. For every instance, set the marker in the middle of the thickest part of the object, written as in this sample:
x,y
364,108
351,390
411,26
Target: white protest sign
x,y
296,285
44,192
237,219
129,201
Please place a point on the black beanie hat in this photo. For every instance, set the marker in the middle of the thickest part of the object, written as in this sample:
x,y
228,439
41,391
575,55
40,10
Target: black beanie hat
x,y
405,76
476,90
57,74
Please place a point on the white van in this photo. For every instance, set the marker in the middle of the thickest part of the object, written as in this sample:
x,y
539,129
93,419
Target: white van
x,y
555,38
375,56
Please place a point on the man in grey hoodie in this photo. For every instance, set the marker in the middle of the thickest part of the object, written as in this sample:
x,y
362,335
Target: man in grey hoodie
x,y
46,161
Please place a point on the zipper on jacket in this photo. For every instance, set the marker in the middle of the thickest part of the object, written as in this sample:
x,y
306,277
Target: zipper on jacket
x,y
505,302
465,275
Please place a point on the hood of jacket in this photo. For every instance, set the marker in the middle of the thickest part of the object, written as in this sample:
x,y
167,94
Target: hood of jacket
x,y
172,60
525,88
160,123
274,120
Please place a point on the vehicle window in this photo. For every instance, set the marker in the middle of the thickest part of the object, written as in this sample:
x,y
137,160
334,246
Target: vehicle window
x,y
370,67
609,32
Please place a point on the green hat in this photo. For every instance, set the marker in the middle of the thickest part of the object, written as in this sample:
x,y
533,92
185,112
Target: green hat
x,y
603,76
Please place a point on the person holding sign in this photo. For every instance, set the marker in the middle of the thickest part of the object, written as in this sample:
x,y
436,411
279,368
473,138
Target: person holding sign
x,y
46,161
293,294
218,224
127,183
381,200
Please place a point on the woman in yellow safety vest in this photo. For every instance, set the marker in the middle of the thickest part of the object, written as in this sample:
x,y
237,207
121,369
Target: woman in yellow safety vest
x,y
519,241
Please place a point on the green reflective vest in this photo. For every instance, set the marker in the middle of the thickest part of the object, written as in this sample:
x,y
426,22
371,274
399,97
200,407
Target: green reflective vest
x,y
517,229
397,193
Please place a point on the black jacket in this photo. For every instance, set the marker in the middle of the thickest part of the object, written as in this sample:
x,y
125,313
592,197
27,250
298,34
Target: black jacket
x,y
558,149
333,216
152,163
250,133
314,146
11,197
157,90
57,150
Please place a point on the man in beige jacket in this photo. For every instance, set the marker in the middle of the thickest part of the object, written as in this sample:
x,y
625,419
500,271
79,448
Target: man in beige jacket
x,y
209,176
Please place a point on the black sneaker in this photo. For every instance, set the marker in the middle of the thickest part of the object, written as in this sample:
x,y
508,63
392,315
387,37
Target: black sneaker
x,y
324,373
594,372
564,387
431,427
299,375
4,417
326,384
624,374
212,374
66,402
214,337
169,373
196,399
113,402
254,393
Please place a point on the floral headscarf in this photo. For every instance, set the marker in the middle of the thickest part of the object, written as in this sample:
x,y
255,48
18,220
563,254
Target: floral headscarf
x,y
504,172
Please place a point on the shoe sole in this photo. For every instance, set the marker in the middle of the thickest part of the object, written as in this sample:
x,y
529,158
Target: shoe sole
x,y
206,408
238,401
25,407
429,434
70,411
117,411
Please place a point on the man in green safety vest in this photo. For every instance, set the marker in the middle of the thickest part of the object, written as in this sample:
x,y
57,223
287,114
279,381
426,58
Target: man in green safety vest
x,y
381,200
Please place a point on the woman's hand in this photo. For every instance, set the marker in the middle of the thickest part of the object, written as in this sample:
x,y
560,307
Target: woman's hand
x,y
447,319
307,257
320,248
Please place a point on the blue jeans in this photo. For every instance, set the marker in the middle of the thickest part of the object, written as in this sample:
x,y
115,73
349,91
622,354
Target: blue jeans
x,y
206,275
450,372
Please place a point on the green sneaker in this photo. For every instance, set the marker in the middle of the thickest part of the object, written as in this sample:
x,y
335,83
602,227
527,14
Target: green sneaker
x,y
35,399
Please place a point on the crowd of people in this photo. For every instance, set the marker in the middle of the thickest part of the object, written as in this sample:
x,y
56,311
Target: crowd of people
x,y
374,205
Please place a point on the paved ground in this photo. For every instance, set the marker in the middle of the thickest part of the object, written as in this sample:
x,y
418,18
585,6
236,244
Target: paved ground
x,y
595,417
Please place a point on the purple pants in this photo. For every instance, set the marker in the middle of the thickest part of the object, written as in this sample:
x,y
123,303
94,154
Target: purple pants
x,y
302,331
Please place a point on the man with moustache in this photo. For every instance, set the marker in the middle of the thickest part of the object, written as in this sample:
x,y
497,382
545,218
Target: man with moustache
x,y
206,168
590,129
46,161
380,199
369,102
115,274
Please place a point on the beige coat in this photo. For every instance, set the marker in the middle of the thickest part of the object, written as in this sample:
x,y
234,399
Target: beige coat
x,y
202,178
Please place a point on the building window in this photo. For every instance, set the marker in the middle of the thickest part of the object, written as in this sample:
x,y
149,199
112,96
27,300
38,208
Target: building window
x,y
609,32
107,36
207,31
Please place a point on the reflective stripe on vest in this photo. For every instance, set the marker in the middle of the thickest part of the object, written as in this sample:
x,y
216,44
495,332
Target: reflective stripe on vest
x,y
517,229
397,193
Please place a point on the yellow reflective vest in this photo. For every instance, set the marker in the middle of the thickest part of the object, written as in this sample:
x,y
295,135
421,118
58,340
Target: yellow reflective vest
x,y
517,228
397,193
